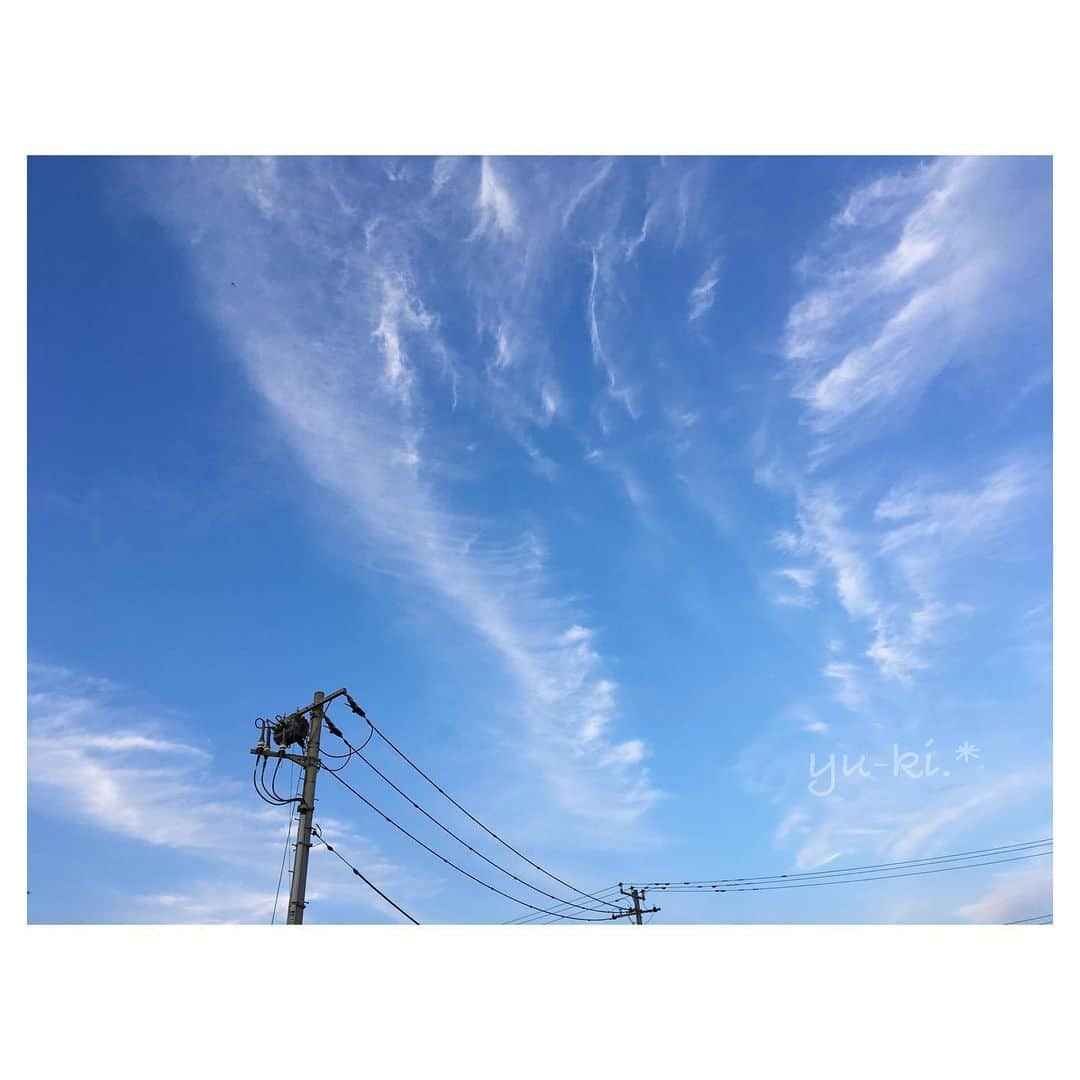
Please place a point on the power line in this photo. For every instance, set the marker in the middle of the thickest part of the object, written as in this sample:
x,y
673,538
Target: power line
x,y
464,843
258,782
1032,919
605,894
446,795
710,882
317,833
353,750
449,862
602,894
284,855
848,880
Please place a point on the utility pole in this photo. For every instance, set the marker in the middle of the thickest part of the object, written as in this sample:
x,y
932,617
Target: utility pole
x,y
287,730
306,813
637,895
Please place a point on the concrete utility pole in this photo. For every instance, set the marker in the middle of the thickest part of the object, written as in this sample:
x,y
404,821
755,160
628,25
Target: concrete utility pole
x,y
637,895
306,812
287,730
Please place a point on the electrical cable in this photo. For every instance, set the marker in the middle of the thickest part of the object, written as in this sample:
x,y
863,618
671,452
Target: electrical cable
x,y
272,791
258,782
446,795
464,843
605,894
521,920
1033,918
285,851
343,758
273,780
317,833
449,862
255,782
847,881
708,882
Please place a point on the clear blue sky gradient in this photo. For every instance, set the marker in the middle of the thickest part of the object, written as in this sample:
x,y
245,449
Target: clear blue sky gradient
x,y
612,488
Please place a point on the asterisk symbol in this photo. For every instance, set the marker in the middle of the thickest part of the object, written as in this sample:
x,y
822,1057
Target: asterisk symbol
x,y
965,751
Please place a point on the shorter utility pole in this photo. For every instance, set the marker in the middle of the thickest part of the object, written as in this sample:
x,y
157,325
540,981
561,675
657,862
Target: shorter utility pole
x,y
637,895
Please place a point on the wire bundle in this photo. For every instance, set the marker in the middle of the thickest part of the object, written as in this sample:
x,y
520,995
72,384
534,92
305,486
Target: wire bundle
x,y
565,907
963,860
605,905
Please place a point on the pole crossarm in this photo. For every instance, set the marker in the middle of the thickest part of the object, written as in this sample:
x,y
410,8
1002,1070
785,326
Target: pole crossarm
x,y
262,751
632,913
318,703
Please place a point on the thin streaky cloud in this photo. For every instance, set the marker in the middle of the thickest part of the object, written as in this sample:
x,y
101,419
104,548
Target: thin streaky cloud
x,y
374,459
703,294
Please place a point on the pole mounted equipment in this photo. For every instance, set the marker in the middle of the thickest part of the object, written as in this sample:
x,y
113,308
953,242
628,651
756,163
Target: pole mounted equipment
x,y
290,730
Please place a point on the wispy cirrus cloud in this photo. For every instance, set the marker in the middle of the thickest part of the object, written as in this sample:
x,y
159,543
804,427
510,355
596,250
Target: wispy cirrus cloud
x,y
916,265
337,324
103,756
920,515
603,171
846,788
1014,895
497,209
920,271
702,295
824,532
599,289
96,758
848,676
890,568
898,822
796,586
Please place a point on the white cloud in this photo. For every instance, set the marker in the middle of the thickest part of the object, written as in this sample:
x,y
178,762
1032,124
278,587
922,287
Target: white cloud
x,y
850,692
212,903
496,206
586,189
630,246
947,519
628,480
302,323
895,819
900,642
922,827
100,761
890,574
822,531
400,313
916,265
792,822
802,579
100,755
1015,894
881,199
802,576
441,171
703,293
615,388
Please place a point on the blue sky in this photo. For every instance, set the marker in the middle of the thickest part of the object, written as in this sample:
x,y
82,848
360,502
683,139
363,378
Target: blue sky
x,y
612,488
